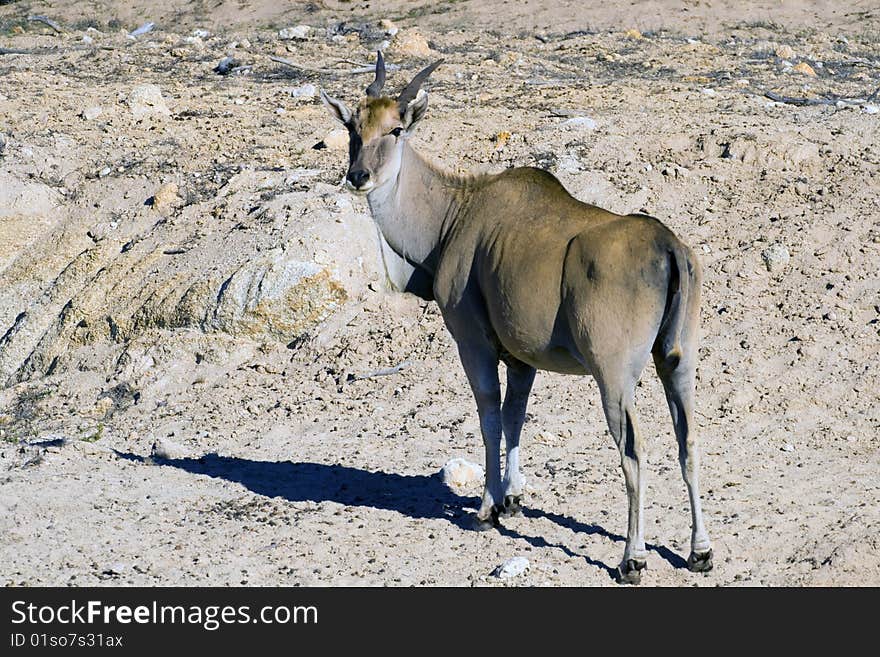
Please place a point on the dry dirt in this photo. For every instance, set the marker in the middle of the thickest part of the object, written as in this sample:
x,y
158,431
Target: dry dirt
x,y
187,297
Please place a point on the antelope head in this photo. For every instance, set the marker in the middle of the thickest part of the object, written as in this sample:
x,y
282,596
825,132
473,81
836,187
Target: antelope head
x,y
378,128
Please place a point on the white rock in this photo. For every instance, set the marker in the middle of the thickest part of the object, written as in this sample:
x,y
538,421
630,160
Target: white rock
x,y
775,256
336,139
92,113
708,91
296,32
787,447
304,91
146,100
168,450
511,568
460,474
871,109
200,33
580,123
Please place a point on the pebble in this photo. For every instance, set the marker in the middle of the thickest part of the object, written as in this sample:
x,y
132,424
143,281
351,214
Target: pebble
x,y
871,109
92,113
336,139
775,256
200,33
787,447
632,33
412,44
166,449
459,473
511,568
165,197
580,123
804,68
296,32
785,52
143,29
146,100
304,91
226,65
390,28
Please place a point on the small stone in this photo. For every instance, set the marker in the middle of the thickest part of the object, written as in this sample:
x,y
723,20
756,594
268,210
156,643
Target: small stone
x,y
632,33
146,100
336,139
411,43
709,92
580,123
390,28
165,197
87,39
104,172
460,474
775,256
511,568
92,113
226,65
871,109
200,33
804,68
304,91
297,32
165,449
785,52
787,447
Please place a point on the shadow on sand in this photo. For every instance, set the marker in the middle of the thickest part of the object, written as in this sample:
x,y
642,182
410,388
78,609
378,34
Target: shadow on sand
x,y
416,496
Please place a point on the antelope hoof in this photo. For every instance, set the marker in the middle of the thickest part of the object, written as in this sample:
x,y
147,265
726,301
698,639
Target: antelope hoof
x,y
630,572
700,563
485,524
512,506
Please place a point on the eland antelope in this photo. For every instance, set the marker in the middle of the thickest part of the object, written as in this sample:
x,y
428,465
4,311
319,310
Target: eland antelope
x,y
526,274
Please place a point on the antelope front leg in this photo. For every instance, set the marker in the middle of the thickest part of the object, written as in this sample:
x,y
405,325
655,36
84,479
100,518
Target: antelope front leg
x,y
481,366
520,378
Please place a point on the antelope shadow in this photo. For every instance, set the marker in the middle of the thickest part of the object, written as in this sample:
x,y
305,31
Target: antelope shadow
x,y
416,496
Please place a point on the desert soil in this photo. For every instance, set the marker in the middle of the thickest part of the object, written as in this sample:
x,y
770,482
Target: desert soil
x,y
188,296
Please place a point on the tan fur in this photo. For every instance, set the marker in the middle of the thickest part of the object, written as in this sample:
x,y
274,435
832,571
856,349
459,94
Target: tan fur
x,y
525,273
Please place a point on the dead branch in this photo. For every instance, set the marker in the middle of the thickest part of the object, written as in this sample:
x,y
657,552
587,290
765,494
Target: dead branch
x,y
46,21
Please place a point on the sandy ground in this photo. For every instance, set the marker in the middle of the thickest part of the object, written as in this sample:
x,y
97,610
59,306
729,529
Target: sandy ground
x,y
275,464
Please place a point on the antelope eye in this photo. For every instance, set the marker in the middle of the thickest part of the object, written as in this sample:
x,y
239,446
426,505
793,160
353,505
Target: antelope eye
x,y
396,132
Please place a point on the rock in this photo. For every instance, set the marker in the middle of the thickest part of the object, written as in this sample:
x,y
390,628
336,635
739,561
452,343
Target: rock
x,y
871,109
278,296
336,139
390,28
200,33
143,29
92,113
460,474
580,123
226,65
165,197
804,68
304,91
511,568
775,257
785,52
787,447
297,32
165,449
411,43
632,33
146,100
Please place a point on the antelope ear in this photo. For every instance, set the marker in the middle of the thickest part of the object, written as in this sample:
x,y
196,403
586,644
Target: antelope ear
x,y
338,110
415,110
